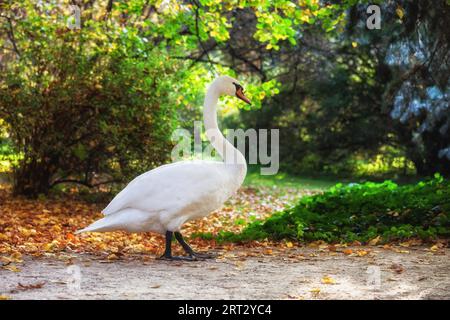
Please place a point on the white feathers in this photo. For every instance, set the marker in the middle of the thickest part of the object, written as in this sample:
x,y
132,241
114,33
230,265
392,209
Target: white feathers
x,y
166,197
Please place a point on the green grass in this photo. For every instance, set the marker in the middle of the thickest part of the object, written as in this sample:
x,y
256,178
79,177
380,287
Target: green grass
x,y
283,180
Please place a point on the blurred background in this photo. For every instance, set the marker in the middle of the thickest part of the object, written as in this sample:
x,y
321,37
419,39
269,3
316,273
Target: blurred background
x,y
91,90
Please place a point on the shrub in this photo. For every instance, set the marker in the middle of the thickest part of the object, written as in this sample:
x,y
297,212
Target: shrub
x,y
85,106
361,212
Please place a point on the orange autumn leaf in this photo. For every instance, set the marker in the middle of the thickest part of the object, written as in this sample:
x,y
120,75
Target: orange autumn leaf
x,y
70,237
348,251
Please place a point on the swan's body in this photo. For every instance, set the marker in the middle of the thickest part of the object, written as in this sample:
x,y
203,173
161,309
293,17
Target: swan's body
x,y
163,199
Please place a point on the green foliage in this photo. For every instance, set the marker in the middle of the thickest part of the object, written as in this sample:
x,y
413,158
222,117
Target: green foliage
x,y
97,102
7,154
361,212
366,102
87,106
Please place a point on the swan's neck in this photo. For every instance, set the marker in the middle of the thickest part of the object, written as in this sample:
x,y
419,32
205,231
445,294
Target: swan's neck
x,y
227,151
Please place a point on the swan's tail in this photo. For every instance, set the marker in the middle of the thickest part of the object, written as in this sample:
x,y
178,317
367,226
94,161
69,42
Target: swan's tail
x,y
98,226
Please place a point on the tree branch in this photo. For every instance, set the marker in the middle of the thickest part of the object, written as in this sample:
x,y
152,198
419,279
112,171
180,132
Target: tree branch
x,y
10,34
197,31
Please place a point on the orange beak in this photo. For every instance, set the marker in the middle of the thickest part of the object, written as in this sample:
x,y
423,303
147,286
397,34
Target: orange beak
x,y
240,94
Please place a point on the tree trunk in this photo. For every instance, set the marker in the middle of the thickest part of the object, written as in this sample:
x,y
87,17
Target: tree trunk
x,y
32,178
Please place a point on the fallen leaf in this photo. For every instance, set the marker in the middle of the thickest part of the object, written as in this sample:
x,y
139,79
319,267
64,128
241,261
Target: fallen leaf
x,y
405,244
315,291
112,256
401,251
328,280
24,287
12,268
362,253
348,251
374,241
398,268
434,248
422,278
316,244
70,236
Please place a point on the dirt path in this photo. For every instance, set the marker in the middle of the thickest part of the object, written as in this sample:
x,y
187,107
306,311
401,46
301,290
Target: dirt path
x,y
299,273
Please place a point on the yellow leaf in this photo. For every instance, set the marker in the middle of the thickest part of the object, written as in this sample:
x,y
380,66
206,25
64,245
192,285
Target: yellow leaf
x,y
262,95
12,268
400,12
304,18
361,253
354,44
328,280
434,248
315,291
56,228
374,241
2,297
112,256
51,245
289,244
16,255
404,244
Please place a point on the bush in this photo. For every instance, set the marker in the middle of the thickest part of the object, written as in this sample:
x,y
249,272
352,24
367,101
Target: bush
x,y
85,106
361,212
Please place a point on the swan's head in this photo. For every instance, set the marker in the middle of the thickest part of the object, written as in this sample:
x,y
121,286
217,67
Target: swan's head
x,y
230,86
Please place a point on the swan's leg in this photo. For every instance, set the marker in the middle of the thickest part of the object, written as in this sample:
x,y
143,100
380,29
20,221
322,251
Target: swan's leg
x,y
189,250
168,251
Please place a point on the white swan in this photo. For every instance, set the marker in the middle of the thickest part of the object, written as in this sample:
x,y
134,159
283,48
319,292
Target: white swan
x,y
163,199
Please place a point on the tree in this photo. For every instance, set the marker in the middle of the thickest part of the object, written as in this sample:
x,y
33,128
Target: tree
x,y
95,102
364,92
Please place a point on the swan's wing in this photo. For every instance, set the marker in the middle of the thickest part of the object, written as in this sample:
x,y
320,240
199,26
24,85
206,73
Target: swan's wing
x,y
172,186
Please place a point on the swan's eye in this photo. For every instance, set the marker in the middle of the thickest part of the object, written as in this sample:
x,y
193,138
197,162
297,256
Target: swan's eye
x,y
240,93
238,87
